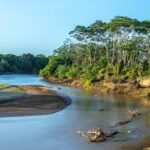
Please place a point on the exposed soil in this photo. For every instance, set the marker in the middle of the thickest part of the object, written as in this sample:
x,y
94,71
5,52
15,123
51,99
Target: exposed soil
x,y
34,100
137,89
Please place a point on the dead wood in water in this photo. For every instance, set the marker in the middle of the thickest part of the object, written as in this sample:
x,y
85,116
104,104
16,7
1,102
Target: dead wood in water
x,y
97,135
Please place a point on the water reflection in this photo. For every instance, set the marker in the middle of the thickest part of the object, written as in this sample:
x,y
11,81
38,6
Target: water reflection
x,y
58,131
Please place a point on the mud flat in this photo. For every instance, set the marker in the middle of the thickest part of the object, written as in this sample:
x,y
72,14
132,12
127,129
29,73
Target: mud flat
x,y
29,100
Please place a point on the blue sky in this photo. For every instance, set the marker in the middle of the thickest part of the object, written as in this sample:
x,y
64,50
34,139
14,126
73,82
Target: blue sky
x,y
39,26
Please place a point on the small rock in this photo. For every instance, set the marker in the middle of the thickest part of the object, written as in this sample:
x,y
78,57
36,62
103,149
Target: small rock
x,y
134,113
101,109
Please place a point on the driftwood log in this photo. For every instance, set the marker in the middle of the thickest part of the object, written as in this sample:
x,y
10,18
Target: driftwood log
x,y
97,135
124,122
132,114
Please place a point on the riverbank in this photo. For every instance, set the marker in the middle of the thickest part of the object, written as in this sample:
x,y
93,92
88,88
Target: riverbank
x,y
29,100
40,132
139,88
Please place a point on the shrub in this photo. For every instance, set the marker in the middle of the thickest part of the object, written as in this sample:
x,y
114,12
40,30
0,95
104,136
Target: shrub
x,y
130,73
61,71
101,74
89,75
45,72
72,73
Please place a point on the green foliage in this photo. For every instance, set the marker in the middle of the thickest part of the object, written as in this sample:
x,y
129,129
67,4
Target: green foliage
x,y
120,21
45,73
115,51
53,64
10,88
130,73
26,63
61,72
3,86
101,74
89,75
72,73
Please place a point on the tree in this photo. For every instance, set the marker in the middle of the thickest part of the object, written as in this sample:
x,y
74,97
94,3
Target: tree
x,y
117,50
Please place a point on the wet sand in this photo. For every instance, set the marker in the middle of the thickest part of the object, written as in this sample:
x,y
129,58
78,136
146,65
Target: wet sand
x,y
31,100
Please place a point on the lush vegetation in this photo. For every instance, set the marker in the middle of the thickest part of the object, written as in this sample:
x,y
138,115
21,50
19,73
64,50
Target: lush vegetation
x,y
26,63
116,51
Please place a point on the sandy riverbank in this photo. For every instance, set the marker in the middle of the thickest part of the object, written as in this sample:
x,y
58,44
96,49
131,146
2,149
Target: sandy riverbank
x,y
138,89
29,100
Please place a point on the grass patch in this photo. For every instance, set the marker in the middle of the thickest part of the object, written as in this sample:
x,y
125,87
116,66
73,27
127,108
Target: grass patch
x,y
3,86
13,89
10,88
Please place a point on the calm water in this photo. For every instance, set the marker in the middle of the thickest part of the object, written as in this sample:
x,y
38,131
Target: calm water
x,y
58,131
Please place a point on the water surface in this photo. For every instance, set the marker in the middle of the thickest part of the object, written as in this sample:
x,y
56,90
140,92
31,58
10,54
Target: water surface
x,y
58,131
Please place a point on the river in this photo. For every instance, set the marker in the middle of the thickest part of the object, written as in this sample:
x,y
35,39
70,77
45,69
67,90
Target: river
x,y
58,131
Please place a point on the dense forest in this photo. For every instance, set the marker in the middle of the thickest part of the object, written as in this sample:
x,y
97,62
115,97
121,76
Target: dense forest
x,y
26,63
116,51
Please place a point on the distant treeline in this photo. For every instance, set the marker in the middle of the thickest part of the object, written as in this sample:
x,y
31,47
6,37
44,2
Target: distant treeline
x,y
25,63
115,51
